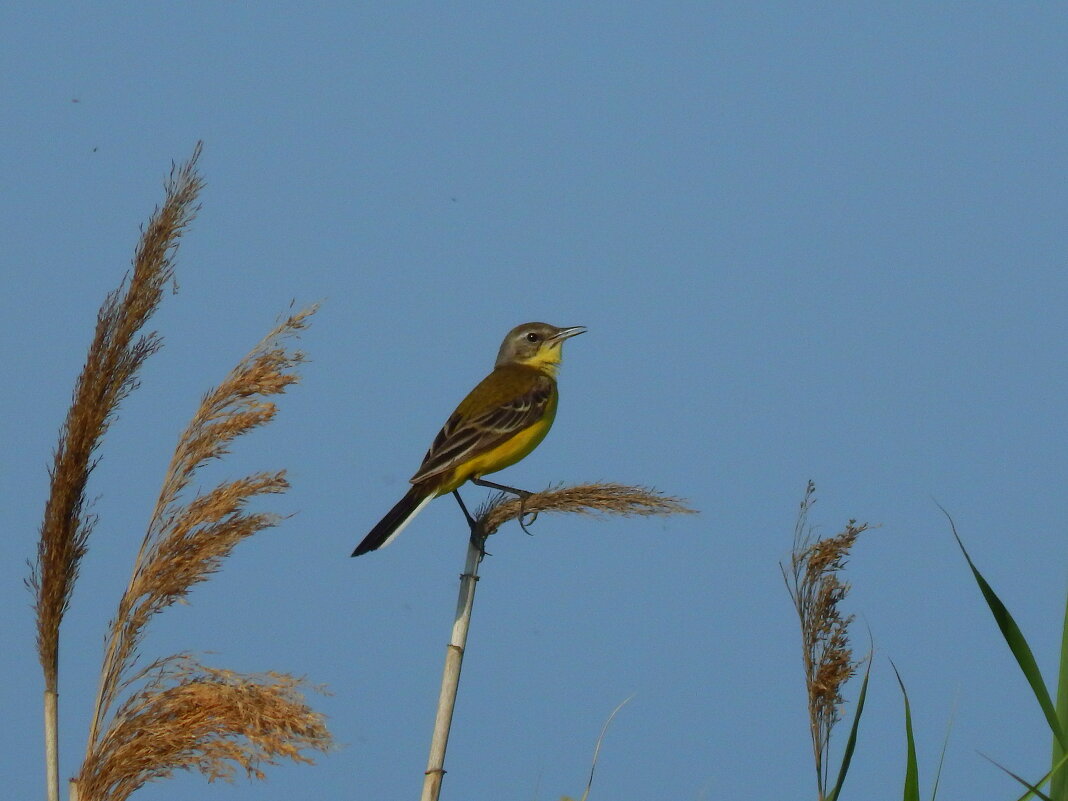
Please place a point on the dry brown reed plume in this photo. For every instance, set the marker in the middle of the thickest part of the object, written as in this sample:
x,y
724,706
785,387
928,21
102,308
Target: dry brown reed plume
x,y
816,589
189,716
186,717
586,499
109,375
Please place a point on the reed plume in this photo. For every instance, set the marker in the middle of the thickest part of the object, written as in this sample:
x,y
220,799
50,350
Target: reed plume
x,y
109,375
816,589
185,542
583,499
116,354
192,717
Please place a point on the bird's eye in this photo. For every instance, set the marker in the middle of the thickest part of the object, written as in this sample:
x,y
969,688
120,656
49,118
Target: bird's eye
x,y
532,337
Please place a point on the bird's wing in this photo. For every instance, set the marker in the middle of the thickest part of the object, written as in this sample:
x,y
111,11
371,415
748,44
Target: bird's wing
x,y
463,438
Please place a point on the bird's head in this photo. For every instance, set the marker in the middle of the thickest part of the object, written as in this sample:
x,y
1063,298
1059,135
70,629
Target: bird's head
x,y
536,345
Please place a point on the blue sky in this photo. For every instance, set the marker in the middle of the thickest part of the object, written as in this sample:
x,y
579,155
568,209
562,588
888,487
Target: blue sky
x,y
809,241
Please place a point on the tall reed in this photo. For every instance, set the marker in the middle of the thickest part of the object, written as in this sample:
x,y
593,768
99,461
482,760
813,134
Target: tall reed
x,y
584,499
174,713
184,715
817,589
115,356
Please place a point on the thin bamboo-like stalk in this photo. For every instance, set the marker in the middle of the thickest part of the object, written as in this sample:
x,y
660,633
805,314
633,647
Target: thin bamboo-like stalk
x,y
450,679
51,734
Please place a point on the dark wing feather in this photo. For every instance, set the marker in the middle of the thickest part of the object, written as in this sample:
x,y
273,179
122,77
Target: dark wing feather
x,y
461,439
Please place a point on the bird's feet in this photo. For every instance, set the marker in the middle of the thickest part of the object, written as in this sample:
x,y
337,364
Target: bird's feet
x,y
478,540
523,495
523,513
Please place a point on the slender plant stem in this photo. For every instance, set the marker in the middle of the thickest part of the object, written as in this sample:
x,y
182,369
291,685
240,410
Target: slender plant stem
x,y
450,678
51,734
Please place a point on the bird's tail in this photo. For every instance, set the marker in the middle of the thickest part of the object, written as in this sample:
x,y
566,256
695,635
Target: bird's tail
x,y
395,520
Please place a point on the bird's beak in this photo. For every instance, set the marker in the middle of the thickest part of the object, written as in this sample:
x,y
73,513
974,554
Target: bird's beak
x,y
566,333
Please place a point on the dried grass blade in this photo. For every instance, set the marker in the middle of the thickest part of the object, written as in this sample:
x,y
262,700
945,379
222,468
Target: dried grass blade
x,y
597,747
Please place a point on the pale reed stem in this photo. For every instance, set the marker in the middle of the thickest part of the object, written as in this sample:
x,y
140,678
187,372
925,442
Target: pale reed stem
x,y
450,678
51,734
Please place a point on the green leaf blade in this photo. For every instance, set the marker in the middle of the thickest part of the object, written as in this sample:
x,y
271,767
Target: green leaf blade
x,y
1059,786
912,774
1017,643
851,743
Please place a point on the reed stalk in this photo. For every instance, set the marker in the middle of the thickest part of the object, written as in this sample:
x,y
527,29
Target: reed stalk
x,y
816,588
584,499
116,354
450,677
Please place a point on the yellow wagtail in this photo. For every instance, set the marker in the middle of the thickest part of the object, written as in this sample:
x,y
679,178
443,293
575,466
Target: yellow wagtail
x,y
500,421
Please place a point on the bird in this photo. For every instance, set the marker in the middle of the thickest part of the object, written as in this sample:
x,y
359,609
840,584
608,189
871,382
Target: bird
x,y
503,419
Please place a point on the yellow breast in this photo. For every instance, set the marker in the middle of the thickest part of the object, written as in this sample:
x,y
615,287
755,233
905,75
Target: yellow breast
x,y
504,455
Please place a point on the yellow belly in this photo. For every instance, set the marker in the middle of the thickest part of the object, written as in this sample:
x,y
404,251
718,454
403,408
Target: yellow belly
x,y
504,455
